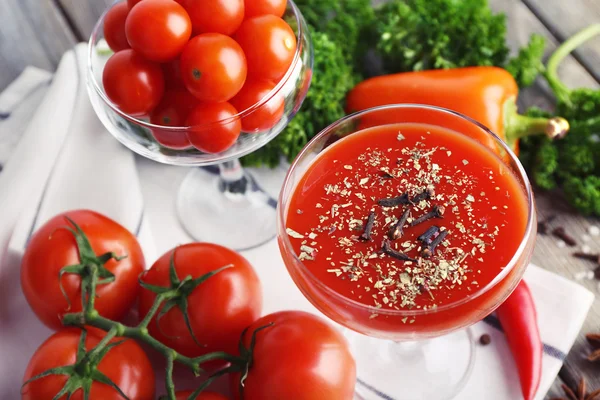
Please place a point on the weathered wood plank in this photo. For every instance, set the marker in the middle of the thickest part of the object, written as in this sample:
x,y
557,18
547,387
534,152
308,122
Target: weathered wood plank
x,y
32,32
565,18
84,14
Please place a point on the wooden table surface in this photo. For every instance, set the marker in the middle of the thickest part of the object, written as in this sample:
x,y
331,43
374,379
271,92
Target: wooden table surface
x,y
38,32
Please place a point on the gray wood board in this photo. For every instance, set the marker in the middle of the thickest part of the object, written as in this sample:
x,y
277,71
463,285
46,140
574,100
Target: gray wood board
x,y
32,32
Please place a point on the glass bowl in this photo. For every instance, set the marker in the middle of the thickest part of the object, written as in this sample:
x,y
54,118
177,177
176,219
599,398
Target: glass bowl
x,y
392,355
228,207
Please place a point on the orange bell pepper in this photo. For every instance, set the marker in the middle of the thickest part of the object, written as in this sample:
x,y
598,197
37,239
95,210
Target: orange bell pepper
x,y
485,94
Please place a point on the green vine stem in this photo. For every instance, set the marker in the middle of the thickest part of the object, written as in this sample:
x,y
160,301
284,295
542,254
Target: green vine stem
x,y
93,273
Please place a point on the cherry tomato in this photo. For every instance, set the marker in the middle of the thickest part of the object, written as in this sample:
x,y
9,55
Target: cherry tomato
x,y
269,44
215,16
213,67
114,27
184,395
207,134
254,8
126,365
52,247
158,29
131,3
172,72
133,83
299,357
219,309
267,115
173,110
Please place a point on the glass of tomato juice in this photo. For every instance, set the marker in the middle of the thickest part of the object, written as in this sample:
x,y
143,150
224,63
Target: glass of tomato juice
x,y
406,224
219,203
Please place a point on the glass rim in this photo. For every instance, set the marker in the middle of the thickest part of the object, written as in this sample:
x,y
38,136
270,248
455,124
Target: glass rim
x,y
179,129
510,266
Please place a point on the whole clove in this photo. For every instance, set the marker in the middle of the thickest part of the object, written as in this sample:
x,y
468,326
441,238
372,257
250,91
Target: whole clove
x,y
485,339
386,175
396,231
394,201
436,212
430,250
562,234
387,249
426,194
544,225
587,256
366,235
430,234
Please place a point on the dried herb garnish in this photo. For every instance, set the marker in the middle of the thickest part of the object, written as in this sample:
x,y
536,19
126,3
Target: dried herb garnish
x,y
426,194
394,201
366,235
562,234
430,250
431,233
396,231
387,249
436,212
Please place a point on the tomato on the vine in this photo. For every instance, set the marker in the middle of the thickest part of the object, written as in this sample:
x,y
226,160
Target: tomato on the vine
x,y
269,45
254,8
213,67
114,27
126,365
299,357
133,83
267,115
53,247
184,395
219,309
220,16
158,29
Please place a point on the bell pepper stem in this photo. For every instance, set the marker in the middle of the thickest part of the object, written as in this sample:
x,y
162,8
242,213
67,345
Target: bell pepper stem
x,y
560,89
517,126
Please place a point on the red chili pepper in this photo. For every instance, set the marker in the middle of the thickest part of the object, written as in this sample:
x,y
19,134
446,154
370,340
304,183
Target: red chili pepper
x,y
519,321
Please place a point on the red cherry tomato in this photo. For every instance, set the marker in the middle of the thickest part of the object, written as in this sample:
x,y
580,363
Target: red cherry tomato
x,y
299,357
264,117
132,83
219,309
114,27
131,3
172,72
184,395
254,8
126,365
51,248
158,29
269,44
173,110
215,16
207,134
213,67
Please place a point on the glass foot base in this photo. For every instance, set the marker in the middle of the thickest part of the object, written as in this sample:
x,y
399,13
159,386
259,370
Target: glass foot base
x,y
424,370
235,214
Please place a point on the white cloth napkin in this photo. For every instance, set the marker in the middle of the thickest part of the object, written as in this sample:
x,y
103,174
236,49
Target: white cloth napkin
x,y
66,159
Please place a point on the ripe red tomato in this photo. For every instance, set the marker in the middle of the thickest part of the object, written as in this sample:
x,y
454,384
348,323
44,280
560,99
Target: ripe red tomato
x,y
134,84
126,365
207,134
254,8
131,3
264,117
300,357
269,44
51,248
210,16
158,29
173,110
184,395
172,72
213,67
219,309
114,27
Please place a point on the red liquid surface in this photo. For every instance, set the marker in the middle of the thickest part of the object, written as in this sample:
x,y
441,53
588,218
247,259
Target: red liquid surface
x,y
485,217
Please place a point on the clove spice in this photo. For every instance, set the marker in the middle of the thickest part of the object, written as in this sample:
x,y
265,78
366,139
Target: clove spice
x,y
430,234
366,235
562,234
387,249
436,212
396,231
430,249
426,194
394,201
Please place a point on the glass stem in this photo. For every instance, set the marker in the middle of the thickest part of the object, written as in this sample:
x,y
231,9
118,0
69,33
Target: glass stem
x,y
232,179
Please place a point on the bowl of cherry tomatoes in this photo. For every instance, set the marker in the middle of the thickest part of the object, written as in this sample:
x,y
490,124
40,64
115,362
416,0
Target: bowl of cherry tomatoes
x,y
195,82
